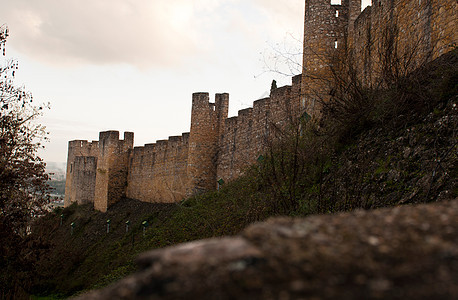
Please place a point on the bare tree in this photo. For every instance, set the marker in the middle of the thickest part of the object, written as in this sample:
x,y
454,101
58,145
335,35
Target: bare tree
x,y
283,58
299,155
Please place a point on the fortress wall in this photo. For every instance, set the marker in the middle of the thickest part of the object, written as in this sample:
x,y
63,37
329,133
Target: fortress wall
x,y
424,31
297,105
324,32
207,124
362,45
430,23
354,10
227,150
260,132
218,147
140,161
76,148
281,107
285,107
244,142
243,139
157,172
83,179
112,168
408,22
444,23
222,111
246,136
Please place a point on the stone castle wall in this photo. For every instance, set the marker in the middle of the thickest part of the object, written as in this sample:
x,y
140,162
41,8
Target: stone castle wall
x,y
207,125
112,168
246,136
425,29
158,172
78,148
325,31
83,181
218,147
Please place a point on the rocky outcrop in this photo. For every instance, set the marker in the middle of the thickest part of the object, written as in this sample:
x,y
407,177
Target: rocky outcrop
x,y
407,252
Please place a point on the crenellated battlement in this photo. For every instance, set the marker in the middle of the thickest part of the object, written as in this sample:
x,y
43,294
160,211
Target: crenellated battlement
x,y
84,147
245,135
260,104
109,136
280,93
157,172
244,113
200,100
82,144
231,121
218,147
112,168
424,30
168,170
207,125
110,140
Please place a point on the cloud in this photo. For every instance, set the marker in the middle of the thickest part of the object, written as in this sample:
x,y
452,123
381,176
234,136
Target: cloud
x,y
283,15
143,33
139,32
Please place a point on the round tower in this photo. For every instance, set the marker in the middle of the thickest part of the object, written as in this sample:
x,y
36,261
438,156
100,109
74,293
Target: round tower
x,y
325,31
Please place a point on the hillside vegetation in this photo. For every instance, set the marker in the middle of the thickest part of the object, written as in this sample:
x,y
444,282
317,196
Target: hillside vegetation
x,y
399,148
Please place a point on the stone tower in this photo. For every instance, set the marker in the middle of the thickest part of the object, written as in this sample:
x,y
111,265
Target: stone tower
x,y
77,171
325,32
112,168
207,125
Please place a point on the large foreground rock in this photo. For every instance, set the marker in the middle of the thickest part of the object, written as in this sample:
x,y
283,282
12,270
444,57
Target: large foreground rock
x,y
407,252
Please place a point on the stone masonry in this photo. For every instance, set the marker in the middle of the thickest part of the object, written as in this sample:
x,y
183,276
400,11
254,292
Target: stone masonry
x,y
423,30
207,125
112,168
218,147
80,149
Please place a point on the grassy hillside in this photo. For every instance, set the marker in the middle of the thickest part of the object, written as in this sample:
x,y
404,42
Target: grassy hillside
x,y
92,257
380,157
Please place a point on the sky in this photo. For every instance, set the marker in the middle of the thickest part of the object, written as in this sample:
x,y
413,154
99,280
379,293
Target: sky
x,y
132,65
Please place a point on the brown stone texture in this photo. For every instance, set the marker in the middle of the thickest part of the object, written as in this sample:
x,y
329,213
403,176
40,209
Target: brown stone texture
x,y
169,170
361,38
207,123
83,181
406,252
426,29
218,147
75,149
112,162
325,31
246,136
158,172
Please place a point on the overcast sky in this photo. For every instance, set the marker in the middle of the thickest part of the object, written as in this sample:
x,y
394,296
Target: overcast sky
x,y
132,65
